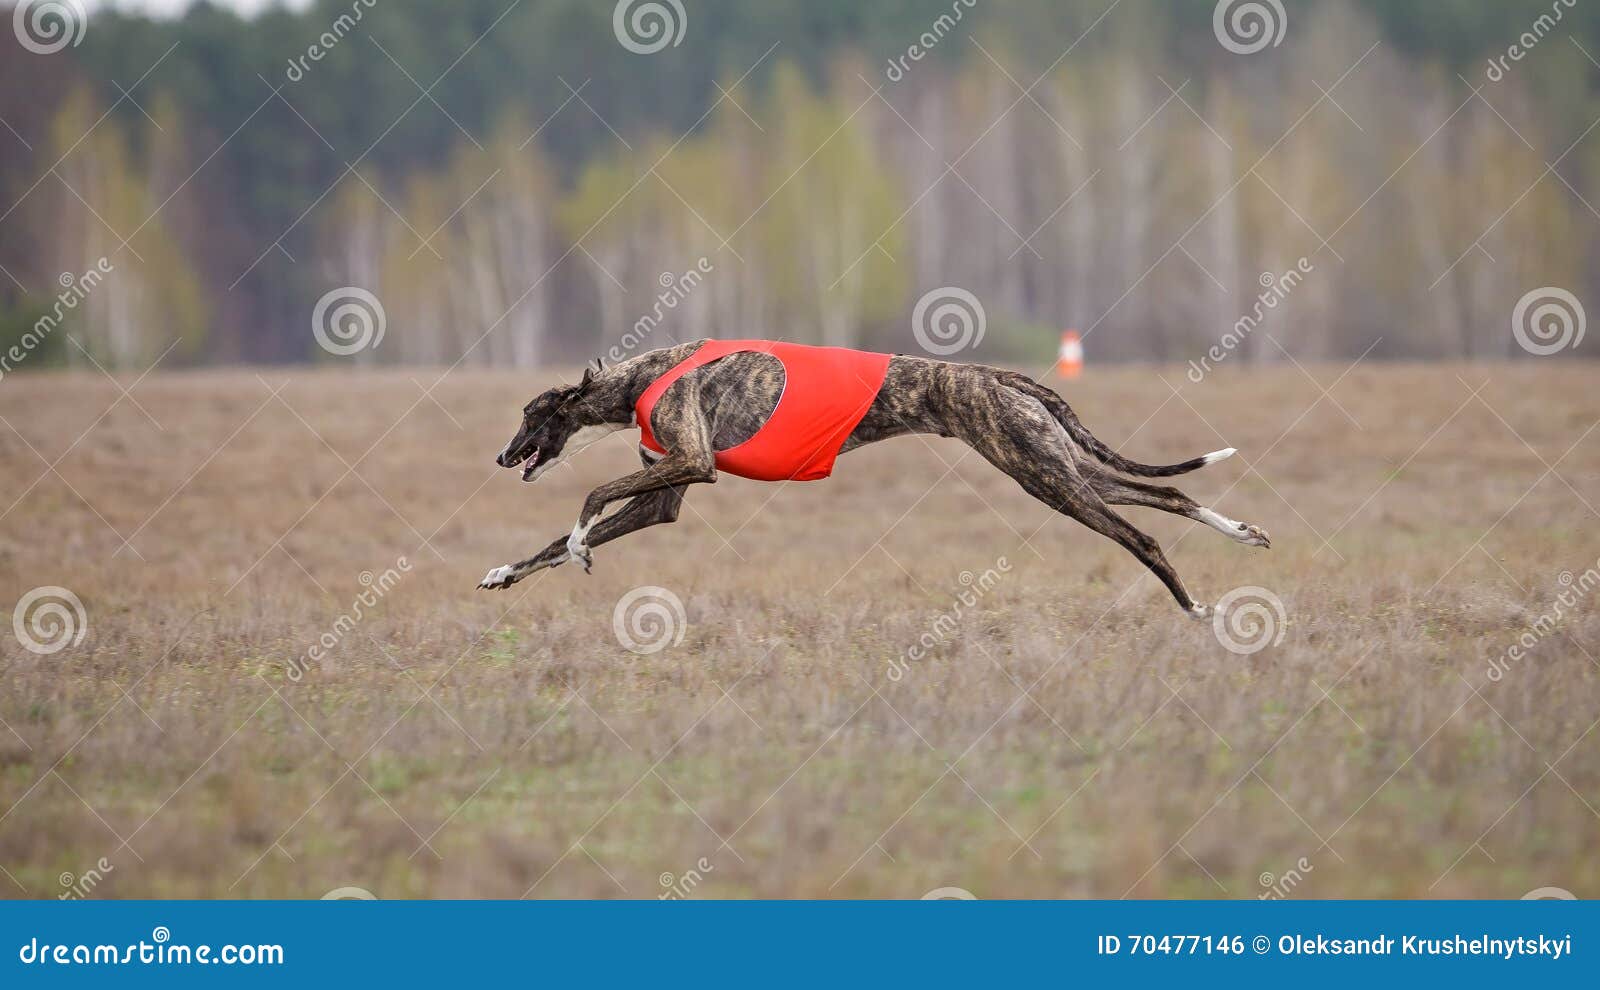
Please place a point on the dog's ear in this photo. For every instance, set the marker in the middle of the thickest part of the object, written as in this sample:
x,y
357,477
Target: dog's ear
x,y
590,371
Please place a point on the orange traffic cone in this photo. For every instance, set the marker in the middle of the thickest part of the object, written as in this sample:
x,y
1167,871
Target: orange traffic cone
x,y
1069,362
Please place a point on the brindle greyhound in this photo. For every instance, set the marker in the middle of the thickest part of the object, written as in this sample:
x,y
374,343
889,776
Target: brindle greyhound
x,y
1018,425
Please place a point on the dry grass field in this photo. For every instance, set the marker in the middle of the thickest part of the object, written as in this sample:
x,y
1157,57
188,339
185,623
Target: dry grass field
x,y
1066,734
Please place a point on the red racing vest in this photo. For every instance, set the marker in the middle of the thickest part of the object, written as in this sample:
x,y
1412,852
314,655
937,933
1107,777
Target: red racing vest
x,y
826,392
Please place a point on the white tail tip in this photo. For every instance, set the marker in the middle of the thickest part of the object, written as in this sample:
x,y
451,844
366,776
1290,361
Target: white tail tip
x,y
1220,455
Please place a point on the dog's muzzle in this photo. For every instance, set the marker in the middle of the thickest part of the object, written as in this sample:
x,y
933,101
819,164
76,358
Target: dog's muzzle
x,y
528,452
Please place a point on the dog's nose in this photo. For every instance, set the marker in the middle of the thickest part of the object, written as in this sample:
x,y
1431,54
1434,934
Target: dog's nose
x,y
500,458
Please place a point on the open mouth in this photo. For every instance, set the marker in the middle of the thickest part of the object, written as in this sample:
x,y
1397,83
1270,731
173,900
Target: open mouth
x,y
529,458
532,465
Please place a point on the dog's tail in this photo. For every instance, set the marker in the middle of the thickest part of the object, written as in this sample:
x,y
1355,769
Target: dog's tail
x,y
1088,441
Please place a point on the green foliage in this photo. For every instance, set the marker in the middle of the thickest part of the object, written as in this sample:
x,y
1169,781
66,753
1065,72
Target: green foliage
x,y
151,294
266,177
830,229
1019,342
49,350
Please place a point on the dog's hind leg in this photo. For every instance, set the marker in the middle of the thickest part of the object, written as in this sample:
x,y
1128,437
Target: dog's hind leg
x,y
1087,507
1121,491
1021,438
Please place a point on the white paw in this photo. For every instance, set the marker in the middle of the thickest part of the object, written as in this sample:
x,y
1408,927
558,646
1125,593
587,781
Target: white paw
x,y
577,549
1253,536
501,577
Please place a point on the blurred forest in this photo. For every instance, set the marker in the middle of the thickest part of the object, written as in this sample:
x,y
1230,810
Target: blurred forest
x,y
517,187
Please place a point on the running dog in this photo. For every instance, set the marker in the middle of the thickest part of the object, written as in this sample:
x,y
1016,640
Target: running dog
x,y
783,412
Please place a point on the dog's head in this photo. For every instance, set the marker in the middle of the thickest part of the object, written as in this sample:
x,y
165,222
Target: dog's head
x,y
549,424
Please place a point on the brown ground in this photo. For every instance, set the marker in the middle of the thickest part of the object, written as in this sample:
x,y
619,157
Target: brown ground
x,y
1069,735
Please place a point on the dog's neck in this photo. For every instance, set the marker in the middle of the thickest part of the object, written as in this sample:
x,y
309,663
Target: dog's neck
x,y
611,395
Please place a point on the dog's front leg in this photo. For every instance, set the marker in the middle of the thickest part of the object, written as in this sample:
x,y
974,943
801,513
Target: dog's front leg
x,y
507,575
671,472
645,510
684,431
